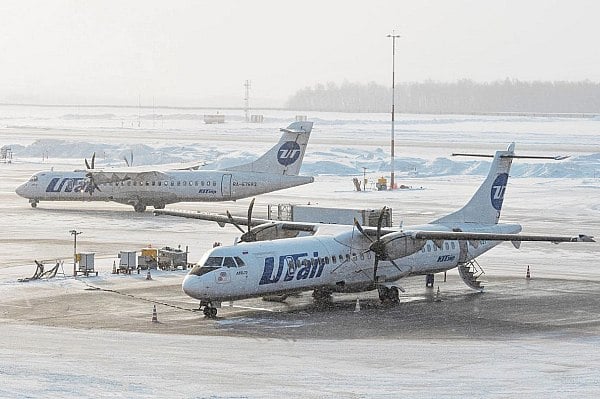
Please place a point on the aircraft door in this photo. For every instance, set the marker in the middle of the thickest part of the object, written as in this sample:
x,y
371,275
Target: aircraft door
x,y
226,186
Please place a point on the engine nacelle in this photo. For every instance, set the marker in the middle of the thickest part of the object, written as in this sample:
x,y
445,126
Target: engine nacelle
x,y
269,231
398,245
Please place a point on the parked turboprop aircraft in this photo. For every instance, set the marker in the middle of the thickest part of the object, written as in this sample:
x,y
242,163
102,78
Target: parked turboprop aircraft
x,y
275,170
274,258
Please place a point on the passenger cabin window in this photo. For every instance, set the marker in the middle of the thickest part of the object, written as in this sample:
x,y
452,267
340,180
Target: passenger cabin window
x,y
446,246
452,244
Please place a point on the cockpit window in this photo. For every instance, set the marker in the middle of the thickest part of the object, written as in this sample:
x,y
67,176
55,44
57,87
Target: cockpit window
x,y
33,178
229,262
239,261
214,261
199,270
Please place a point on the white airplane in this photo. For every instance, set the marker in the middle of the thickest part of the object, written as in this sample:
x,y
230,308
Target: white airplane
x,y
277,169
273,258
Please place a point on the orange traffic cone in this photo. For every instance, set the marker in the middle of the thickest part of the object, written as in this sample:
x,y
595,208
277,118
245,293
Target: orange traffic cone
x,y
437,295
357,306
154,315
528,275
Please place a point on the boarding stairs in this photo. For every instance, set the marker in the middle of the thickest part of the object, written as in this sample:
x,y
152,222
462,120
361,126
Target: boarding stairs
x,y
470,271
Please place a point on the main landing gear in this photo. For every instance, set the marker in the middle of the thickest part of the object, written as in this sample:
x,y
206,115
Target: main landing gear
x,y
322,298
388,295
139,207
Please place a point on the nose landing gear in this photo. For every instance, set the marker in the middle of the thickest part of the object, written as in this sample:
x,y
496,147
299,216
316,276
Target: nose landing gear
x,y
209,310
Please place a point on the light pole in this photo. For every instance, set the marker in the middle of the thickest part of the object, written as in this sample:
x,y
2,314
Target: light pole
x,y
394,37
75,233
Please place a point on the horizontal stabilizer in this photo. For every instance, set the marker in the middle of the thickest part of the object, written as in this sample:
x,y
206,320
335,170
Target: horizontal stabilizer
x,y
554,158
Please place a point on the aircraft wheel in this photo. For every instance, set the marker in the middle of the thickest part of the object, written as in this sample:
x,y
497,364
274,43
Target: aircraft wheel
x,y
210,312
33,203
388,295
322,298
139,207
394,295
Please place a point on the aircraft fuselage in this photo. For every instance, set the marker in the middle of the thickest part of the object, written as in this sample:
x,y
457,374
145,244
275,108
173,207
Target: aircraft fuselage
x,y
177,186
330,263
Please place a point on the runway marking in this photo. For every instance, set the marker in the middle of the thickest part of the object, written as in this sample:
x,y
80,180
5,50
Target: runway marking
x,y
15,306
254,308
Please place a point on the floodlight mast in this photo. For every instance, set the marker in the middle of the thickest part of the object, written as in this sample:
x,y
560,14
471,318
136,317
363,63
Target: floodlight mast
x,y
75,233
394,37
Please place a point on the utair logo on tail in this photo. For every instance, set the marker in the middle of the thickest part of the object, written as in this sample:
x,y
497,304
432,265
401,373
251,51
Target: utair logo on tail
x,y
498,189
288,153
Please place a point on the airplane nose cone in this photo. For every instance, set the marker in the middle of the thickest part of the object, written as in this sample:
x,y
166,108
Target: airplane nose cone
x,y
190,286
21,190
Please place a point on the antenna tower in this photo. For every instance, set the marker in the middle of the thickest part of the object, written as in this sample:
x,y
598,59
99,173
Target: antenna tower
x,y
247,100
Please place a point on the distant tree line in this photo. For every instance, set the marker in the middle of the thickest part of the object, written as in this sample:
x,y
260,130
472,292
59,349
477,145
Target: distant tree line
x,y
463,96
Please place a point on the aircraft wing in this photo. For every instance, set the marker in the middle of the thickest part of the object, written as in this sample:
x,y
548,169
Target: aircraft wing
x,y
212,217
461,235
222,220
100,177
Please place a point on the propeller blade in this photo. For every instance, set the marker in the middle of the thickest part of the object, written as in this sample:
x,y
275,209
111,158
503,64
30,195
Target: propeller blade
x,y
93,159
250,207
380,221
395,265
375,268
233,222
126,161
359,228
131,161
87,165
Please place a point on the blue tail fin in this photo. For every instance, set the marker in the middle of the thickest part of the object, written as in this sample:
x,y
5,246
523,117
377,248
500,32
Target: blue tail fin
x,y
485,205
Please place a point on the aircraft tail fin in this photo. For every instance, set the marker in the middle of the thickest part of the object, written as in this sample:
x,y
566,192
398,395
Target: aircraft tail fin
x,y
286,156
485,205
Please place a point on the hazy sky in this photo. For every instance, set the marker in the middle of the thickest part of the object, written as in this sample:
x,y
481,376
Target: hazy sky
x,y
201,52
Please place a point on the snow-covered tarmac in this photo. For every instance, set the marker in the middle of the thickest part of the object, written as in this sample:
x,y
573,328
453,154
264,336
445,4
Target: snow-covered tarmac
x,y
60,338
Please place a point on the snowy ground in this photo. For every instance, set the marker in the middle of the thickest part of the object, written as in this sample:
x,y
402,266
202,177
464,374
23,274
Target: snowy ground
x,y
562,198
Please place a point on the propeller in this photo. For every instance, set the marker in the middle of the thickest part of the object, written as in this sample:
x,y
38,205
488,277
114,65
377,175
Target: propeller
x,y
91,186
129,161
247,236
91,164
378,247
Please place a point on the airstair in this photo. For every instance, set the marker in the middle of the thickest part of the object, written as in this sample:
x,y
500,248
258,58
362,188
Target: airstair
x,y
470,272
